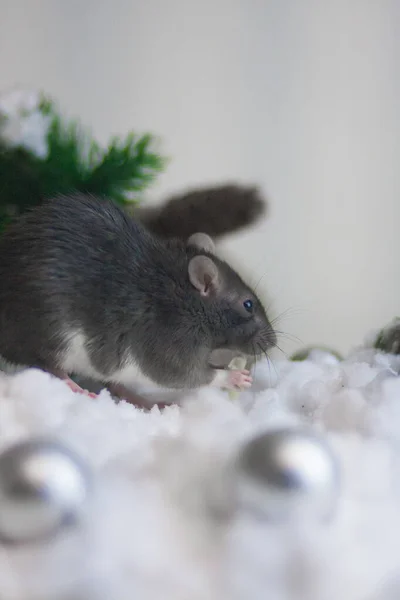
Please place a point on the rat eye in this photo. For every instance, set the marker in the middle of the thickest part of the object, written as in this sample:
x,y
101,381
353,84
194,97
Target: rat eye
x,y
248,304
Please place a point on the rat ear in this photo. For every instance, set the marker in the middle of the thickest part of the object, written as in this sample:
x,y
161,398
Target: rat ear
x,y
203,274
202,241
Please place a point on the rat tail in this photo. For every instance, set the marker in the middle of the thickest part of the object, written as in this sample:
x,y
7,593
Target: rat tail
x,y
217,211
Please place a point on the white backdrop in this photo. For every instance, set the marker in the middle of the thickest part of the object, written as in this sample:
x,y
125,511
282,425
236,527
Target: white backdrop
x,y
301,97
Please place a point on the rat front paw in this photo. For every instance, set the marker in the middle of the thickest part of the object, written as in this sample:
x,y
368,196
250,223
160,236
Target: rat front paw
x,y
237,380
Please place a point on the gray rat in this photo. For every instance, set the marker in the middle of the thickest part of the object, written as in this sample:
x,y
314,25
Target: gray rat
x,y
86,289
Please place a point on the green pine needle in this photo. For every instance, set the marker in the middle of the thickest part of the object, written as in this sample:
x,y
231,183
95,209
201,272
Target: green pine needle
x,y
75,162
136,164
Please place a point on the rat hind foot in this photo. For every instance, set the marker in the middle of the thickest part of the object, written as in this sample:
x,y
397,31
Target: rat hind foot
x,y
77,388
61,374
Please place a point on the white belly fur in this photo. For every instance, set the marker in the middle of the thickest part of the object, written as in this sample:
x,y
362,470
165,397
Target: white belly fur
x,y
76,360
131,375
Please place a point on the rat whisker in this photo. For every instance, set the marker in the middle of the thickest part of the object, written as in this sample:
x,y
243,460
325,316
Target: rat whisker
x,y
285,354
289,336
269,367
258,282
255,358
276,372
269,360
271,363
291,311
262,350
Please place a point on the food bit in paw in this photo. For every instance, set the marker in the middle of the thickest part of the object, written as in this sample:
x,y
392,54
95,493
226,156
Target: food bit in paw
x,y
77,388
237,366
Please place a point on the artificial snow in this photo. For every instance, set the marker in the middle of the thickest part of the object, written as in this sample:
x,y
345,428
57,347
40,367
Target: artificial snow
x,y
163,522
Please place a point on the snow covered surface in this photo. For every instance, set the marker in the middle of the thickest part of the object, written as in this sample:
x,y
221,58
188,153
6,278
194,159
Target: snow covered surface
x,y
163,524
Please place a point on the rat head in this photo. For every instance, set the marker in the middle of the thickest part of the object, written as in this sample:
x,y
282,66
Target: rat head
x,y
236,316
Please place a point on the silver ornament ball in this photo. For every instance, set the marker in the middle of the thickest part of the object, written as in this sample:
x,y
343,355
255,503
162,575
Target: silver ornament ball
x,y
288,473
43,487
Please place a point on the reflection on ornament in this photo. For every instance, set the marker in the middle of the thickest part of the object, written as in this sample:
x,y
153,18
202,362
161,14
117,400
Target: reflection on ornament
x,y
43,487
288,473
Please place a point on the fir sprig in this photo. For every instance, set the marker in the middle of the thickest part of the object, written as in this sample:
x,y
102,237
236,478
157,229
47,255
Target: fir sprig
x,y
135,162
74,162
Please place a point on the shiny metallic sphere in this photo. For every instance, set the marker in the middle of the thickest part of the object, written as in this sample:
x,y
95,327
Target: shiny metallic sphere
x,y
288,473
43,487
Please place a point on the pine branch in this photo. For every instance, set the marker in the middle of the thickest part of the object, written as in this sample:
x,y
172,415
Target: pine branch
x,y
19,183
74,162
65,168
133,161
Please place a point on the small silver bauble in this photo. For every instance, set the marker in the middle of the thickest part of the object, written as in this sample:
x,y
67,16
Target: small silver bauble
x,y
286,473
43,487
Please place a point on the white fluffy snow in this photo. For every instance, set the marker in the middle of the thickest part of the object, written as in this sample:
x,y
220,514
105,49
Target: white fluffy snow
x,y
23,124
162,523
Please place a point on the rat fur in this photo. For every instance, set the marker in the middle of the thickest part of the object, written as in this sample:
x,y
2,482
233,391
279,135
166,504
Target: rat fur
x,y
88,290
217,211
